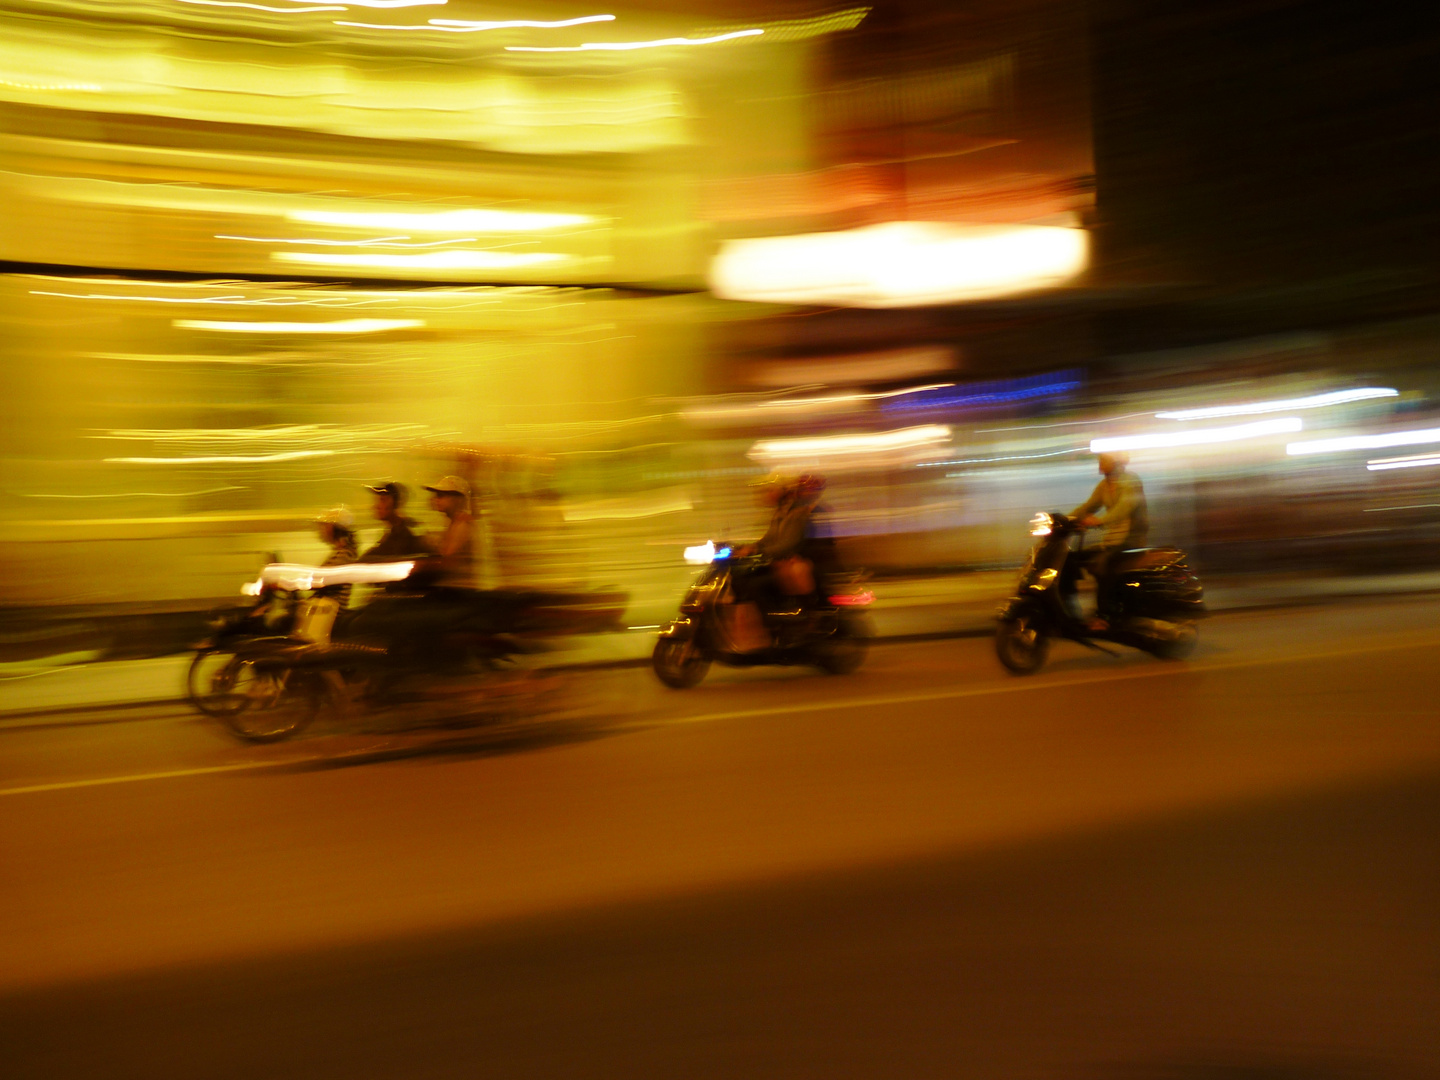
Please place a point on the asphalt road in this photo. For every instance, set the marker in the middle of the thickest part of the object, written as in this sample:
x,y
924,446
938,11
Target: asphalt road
x,y
1120,867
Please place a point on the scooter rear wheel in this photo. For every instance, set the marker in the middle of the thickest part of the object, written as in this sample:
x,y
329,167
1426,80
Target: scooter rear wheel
x,y
1187,636
845,651
678,663
1021,646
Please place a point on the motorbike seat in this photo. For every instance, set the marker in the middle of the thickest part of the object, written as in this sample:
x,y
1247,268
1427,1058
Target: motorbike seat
x,y
1156,558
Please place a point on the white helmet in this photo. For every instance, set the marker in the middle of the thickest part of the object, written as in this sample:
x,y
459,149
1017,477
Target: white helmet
x,y
339,516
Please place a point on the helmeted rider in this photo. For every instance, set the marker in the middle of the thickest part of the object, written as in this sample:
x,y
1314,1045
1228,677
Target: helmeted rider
x,y
1126,522
791,535
336,527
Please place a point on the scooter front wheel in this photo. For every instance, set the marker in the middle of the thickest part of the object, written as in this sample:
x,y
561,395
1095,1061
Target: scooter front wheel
x,y
678,663
207,681
270,704
1021,645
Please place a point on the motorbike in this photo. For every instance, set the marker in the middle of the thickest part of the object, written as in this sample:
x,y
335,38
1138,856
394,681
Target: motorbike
x,y
1157,600
830,630
269,614
414,656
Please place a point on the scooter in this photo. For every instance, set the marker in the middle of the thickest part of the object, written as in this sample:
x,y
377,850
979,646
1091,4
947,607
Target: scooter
x,y
829,629
1158,600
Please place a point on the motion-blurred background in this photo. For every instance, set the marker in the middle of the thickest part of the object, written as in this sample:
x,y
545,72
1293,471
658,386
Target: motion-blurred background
x,y
610,263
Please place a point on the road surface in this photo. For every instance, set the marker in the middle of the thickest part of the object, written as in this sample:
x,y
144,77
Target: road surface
x,y
1119,867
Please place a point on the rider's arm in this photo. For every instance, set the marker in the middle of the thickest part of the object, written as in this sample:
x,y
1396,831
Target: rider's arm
x,y
456,539
786,532
1090,505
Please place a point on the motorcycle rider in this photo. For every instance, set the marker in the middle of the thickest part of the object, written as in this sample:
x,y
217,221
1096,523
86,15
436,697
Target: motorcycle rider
x,y
400,540
1121,496
790,545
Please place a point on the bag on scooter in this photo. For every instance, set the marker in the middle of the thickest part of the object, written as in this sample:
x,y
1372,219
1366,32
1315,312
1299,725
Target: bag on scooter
x,y
795,576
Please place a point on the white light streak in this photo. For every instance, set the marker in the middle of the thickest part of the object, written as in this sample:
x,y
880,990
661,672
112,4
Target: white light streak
x,y
483,221
299,576
341,326
382,241
434,260
900,264
222,459
828,445
1200,437
468,24
1413,462
701,554
1365,442
1315,401
625,46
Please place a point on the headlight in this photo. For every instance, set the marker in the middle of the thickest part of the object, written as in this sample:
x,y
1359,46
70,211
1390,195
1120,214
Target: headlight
x,y
1040,525
252,588
701,554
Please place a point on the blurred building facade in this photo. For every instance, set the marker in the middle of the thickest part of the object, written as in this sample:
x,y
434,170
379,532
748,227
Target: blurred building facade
x,y
257,256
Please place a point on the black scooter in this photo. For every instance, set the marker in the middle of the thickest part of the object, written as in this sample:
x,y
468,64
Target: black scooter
x,y
1157,600
831,632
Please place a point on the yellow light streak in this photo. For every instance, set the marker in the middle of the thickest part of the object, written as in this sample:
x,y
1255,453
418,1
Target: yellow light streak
x,y
83,87
342,326
624,46
799,29
482,221
828,445
432,260
263,7
899,264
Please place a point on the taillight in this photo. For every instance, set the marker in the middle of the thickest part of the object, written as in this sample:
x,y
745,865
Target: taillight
x,y
860,599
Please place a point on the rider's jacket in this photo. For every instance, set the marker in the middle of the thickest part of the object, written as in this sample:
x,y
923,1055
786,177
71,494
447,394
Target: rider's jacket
x,y
1122,497
400,541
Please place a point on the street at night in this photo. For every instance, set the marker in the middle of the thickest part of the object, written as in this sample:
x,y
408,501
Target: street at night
x,y
1118,867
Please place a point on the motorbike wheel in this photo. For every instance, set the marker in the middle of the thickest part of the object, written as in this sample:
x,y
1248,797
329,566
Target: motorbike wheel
x,y
678,664
1021,646
204,686
269,704
1187,636
844,652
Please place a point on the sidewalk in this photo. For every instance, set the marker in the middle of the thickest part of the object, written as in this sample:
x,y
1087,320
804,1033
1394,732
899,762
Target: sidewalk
x,y
957,605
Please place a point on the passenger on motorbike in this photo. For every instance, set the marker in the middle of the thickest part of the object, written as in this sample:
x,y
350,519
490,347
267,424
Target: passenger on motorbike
x,y
337,529
454,551
400,540
1121,496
